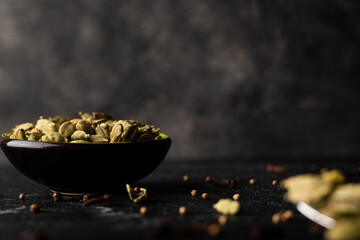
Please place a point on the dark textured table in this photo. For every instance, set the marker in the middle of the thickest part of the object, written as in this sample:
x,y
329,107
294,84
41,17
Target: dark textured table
x,y
167,192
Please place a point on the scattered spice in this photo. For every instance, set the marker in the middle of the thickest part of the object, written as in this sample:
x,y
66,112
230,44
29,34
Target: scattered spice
x,y
275,168
229,183
223,220
222,184
208,179
214,230
32,236
274,182
107,199
21,196
186,178
137,194
182,210
193,193
87,197
236,197
34,208
60,197
282,216
204,195
287,215
252,181
143,210
276,218
227,206
232,183
211,229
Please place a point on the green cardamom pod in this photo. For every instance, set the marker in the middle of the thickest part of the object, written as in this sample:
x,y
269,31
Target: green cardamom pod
x,y
145,137
19,134
85,126
35,136
59,119
102,132
46,126
67,128
115,133
97,139
79,135
25,126
86,116
99,115
54,137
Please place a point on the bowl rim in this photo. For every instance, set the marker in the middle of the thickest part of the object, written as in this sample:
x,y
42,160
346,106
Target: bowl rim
x,y
37,144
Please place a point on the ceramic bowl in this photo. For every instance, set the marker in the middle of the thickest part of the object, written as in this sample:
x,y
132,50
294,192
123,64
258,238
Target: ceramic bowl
x,y
85,168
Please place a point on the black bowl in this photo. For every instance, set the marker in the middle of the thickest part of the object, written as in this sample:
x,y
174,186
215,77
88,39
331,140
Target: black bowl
x,y
85,168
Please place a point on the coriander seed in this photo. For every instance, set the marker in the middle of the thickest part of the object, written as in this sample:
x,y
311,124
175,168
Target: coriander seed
x,y
182,210
285,216
252,181
193,193
276,218
223,220
208,179
21,196
204,195
143,210
186,178
236,197
274,182
34,208
214,230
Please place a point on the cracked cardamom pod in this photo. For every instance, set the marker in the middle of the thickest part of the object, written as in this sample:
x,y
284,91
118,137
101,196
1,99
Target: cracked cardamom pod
x,y
46,126
25,126
19,134
35,136
85,126
136,196
79,135
129,132
102,132
115,134
67,128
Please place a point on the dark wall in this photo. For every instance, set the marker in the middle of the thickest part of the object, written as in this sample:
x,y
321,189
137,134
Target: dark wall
x,y
222,78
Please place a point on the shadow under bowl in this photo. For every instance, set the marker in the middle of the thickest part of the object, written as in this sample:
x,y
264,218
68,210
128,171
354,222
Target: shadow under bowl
x,y
85,168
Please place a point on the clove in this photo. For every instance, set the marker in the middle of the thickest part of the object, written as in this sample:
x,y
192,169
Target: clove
x,y
59,197
107,199
275,168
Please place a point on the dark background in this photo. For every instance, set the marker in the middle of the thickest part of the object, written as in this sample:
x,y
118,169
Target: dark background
x,y
221,78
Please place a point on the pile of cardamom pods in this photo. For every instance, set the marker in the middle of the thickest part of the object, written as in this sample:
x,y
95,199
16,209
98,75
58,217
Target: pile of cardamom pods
x,y
90,128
